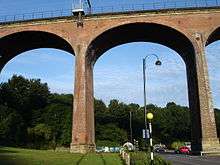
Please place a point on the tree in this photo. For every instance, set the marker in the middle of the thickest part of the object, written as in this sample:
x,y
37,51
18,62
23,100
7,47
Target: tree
x,y
102,114
59,118
24,95
172,123
19,98
12,127
111,133
64,99
28,106
39,136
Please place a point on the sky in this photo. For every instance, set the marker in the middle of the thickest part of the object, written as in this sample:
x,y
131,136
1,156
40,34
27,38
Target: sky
x,y
11,7
118,72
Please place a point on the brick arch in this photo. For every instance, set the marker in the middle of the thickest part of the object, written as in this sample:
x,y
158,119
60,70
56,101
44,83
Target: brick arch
x,y
141,32
186,47
213,36
16,43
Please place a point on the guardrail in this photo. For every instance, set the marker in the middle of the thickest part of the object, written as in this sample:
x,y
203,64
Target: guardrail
x,y
35,15
162,5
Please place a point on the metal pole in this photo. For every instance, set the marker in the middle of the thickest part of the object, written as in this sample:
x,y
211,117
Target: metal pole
x,y
149,115
90,6
145,109
151,144
131,127
80,4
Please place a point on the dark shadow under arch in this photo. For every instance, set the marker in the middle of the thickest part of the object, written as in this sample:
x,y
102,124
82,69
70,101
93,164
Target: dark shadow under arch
x,y
214,36
17,43
141,32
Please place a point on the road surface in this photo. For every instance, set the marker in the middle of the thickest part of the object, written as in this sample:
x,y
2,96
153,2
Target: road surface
x,y
180,159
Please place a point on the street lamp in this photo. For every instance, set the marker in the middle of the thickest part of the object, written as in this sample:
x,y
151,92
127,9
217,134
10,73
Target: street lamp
x,y
158,63
131,127
150,117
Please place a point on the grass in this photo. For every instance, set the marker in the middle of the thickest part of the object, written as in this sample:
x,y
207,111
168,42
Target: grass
x,y
18,156
140,158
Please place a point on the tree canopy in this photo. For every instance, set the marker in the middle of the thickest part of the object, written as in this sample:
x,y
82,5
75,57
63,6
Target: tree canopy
x,y
32,116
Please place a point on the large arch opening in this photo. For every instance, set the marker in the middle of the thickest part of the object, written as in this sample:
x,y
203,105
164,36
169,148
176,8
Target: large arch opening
x,y
17,43
121,67
118,82
213,60
159,34
44,66
53,66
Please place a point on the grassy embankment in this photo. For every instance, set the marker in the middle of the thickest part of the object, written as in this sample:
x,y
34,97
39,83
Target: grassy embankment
x,y
17,156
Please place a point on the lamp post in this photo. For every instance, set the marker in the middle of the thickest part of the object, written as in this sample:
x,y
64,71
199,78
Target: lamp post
x,y
150,117
131,127
158,62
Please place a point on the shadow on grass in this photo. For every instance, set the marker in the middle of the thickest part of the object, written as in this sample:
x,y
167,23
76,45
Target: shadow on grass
x,y
5,151
7,162
7,157
10,160
80,160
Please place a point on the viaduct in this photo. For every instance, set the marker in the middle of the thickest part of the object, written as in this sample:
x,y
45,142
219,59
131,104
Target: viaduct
x,y
187,31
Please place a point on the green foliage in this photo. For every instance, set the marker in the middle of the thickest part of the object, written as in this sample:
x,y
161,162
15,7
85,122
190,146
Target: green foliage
x,y
20,92
39,136
59,118
140,158
12,129
24,95
107,143
64,99
20,99
172,123
177,144
110,132
32,116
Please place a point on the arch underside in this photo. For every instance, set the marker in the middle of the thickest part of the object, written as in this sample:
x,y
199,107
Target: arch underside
x,y
214,36
142,32
17,43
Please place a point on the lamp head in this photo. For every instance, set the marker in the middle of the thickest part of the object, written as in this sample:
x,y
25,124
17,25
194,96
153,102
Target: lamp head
x,y
150,116
158,62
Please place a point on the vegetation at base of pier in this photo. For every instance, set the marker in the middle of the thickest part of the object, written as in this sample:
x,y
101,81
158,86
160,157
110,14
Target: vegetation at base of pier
x,y
176,145
140,158
31,116
18,156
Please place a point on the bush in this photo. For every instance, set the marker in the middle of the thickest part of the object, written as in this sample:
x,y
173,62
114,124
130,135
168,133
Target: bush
x,y
107,143
39,136
176,145
140,158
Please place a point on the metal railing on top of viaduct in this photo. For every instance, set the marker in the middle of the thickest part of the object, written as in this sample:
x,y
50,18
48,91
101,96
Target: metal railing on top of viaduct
x,y
154,6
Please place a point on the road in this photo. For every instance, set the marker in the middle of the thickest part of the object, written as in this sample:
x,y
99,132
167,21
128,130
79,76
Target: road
x,y
180,159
